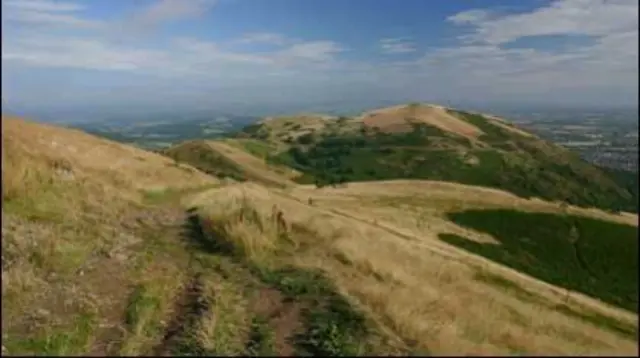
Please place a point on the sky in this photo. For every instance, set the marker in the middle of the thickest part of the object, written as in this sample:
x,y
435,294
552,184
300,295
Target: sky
x,y
224,53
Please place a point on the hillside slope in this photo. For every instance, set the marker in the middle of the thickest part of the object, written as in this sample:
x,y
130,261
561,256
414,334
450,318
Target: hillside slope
x,y
232,159
118,251
80,236
431,142
387,247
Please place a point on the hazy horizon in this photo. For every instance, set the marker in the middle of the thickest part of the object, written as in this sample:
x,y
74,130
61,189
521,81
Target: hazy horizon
x,y
288,55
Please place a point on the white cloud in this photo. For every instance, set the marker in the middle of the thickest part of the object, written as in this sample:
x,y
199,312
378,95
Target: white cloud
x,y
181,57
208,57
315,51
565,17
469,17
264,38
46,13
396,46
54,51
42,5
609,62
43,18
481,65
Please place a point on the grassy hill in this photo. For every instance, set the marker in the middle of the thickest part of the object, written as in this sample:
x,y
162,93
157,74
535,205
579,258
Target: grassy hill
x,y
79,236
239,160
430,142
112,250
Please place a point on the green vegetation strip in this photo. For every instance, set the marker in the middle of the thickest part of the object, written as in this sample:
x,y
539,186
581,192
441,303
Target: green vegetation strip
x,y
202,157
595,257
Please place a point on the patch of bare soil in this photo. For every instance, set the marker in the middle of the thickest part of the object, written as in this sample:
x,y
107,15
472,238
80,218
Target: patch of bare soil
x,y
283,318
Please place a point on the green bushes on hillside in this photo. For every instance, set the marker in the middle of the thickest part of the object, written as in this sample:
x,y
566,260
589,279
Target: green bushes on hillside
x,y
512,163
600,261
206,160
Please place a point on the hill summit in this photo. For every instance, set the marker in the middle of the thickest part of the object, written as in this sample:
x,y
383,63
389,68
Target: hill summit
x,y
419,141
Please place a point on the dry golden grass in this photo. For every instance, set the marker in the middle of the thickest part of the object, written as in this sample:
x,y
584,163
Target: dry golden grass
x,y
71,237
75,154
70,250
224,327
394,119
451,196
262,152
421,289
253,165
502,123
236,223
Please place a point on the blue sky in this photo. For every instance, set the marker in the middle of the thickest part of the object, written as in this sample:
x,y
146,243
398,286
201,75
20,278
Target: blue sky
x,y
216,53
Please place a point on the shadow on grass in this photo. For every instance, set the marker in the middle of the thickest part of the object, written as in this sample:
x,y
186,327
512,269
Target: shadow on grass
x,y
601,262
210,242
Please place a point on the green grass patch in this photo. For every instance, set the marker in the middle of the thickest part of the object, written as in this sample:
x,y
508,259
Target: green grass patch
x,y
142,318
75,339
164,196
492,132
602,262
44,202
206,159
254,147
332,327
261,338
141,307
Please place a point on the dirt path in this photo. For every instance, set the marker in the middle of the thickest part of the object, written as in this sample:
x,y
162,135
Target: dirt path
x,y
108,274
188,309
283,318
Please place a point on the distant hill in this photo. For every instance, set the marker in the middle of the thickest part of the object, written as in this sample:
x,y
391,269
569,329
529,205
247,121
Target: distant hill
x,y
418,141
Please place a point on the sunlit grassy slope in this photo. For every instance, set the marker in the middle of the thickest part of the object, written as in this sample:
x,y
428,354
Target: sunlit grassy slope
x,y
239,160
78,235
109,249
384,253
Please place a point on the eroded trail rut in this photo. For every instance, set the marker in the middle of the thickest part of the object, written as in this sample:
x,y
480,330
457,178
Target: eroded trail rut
x,y
286,310
189,307
281,315
276,319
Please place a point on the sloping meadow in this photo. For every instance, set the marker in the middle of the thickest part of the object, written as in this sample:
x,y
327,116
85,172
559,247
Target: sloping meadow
x,y
410,298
